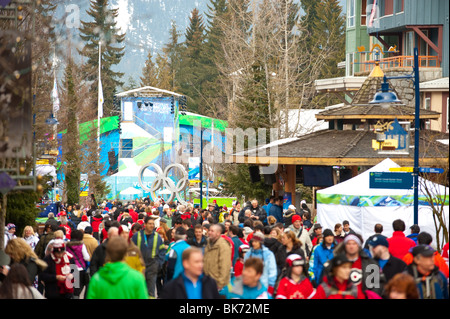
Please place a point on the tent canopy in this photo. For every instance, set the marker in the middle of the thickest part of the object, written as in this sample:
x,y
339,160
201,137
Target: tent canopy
x,y
130,191
363,207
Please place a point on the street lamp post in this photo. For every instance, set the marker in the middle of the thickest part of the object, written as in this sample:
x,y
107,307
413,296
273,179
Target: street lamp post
x,y
387,97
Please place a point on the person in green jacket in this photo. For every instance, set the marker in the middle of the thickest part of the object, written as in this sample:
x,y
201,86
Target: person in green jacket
x,y
117,280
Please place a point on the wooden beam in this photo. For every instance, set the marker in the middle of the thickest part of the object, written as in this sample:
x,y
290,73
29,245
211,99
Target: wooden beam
x,y
341,98
427,40
386,46
331,161
376,117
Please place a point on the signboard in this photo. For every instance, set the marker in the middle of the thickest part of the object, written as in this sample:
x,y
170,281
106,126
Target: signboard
x,y
421,169
391,180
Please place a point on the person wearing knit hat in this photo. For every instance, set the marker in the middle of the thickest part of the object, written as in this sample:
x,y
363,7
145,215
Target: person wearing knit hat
x,y
258,250
390,265
58,262
296,284
336,283
363,265
301,233
84,223
321,254
317,230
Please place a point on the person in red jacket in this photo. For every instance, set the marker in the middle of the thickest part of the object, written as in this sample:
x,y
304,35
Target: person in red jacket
x,y
337,284
399,244
239,265
296,284
445,253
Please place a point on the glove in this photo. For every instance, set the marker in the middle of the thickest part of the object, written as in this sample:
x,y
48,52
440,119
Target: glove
x,y
270,290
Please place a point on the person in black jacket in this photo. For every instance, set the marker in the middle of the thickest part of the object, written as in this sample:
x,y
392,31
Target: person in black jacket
x,y
389,265
193,283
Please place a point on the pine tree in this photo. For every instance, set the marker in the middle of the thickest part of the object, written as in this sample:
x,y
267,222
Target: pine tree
x,y
71,151
103,28
173,52
164,72
149,72
191,74
215,102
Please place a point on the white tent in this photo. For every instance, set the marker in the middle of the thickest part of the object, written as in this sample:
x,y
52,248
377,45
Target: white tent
x,y
363,207
131,191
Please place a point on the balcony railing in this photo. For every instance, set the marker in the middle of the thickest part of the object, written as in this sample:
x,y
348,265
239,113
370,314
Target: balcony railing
x,y
401,61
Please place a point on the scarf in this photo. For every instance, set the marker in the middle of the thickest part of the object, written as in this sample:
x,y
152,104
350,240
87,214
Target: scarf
x,y
63,268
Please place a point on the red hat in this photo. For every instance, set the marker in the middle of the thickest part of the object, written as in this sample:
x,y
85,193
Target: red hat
x,y
84,218
62,213
295,260
295,218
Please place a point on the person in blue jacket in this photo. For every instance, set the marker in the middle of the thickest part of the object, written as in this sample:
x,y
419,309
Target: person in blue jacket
x,y
323,253
258,250
173,256
276,210
248,285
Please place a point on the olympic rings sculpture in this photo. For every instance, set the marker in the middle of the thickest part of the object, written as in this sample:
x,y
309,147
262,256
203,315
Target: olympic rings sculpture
x,y
162,180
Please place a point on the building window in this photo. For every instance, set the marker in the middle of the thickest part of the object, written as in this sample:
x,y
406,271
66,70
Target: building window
x,y
349,69
363,12
351,13
388,7
409,48
399,6
448,118
428,107
126,148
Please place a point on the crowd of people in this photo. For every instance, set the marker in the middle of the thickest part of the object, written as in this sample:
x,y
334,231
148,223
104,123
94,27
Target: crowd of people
x,y
142,249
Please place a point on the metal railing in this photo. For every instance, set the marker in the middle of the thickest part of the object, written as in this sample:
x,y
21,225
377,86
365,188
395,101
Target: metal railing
x,y
401,61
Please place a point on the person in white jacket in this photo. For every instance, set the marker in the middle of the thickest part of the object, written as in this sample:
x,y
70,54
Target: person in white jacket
x,y
302,234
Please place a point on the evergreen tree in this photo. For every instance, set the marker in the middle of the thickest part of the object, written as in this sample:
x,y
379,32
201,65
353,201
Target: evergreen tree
x,y
103,28
330,28
71,151
149,72
215,102
173,52
164,72
191,74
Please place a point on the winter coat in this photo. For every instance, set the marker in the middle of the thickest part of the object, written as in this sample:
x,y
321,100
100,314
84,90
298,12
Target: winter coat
x,y
34,267
305,239
95,222
90,242
330,288
270,272
272,243
117,280
399,244
133,258
392,267
289,289
176,289
193,242
287,217
153,250
48,276
282,254
76,249
237,290
98,258
42,244
173,257
368,265
321,254
217,261
433,286
277,212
